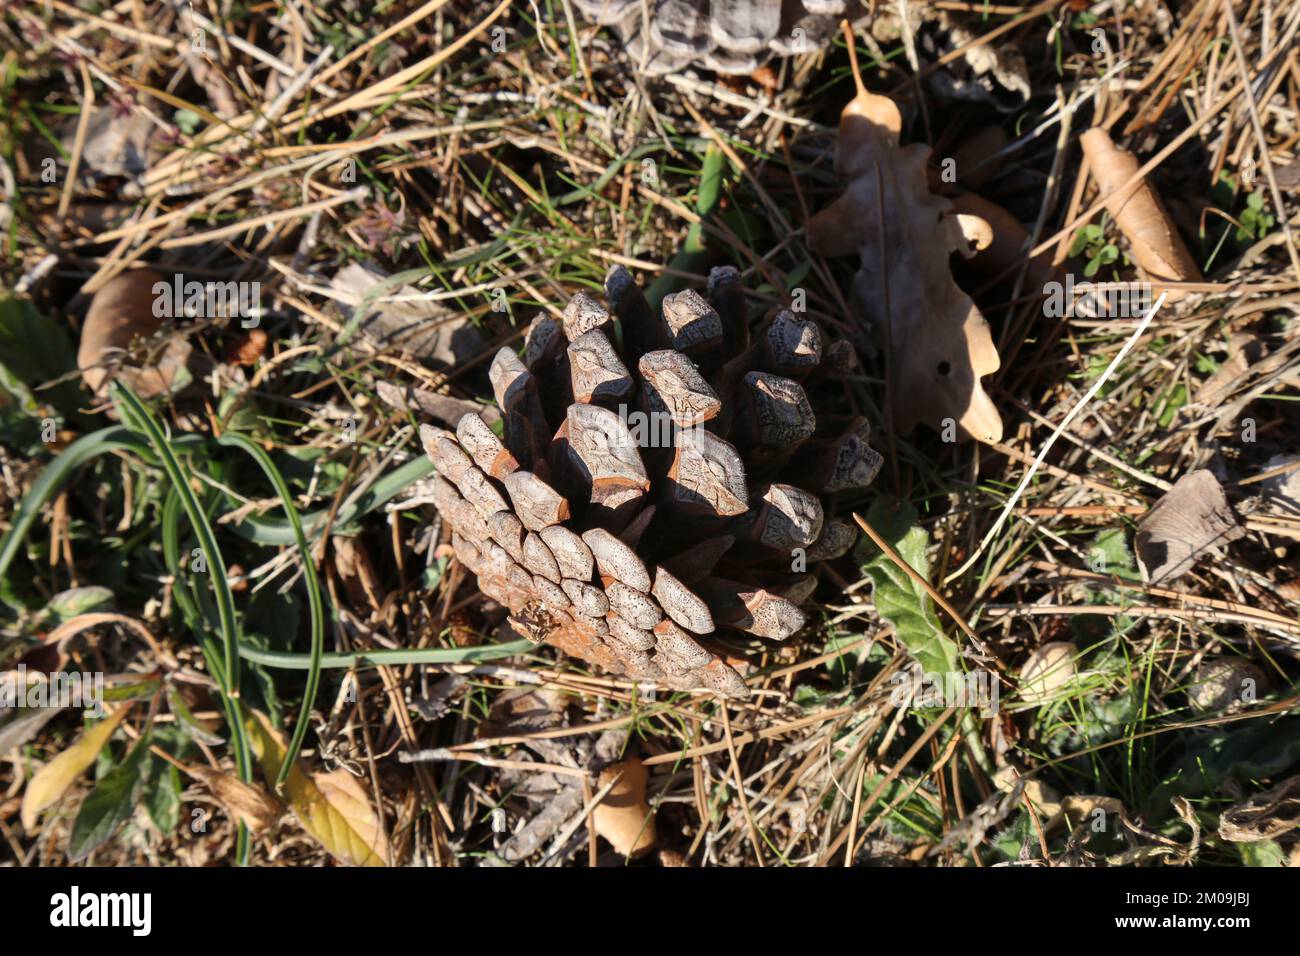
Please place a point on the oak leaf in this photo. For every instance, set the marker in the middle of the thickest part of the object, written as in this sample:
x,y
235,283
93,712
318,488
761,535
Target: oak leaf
x,y
624,818
122,313
938,343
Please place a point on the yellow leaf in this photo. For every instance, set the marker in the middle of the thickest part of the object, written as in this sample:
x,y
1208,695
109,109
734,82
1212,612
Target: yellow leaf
x,y
332,807
53,780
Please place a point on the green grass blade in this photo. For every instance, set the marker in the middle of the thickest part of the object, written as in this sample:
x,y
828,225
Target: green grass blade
x,y
138,417
315,604
425,655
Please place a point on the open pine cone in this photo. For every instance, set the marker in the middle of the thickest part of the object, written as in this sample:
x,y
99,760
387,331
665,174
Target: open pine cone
x,y
661,484
729,36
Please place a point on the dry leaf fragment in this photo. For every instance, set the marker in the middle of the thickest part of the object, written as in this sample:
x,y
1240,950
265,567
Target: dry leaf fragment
x,y
1244,350
25,725
1047,672
523,711
244,802
115,145
1079,809
443,408
247,349
1282,491
1046,801
1288,175
1192,516
983,72
121,312
53,780
1225,684
1140,215
1265,816
332,807
623,817
975,160
357,572
418,324
1010,242
938,342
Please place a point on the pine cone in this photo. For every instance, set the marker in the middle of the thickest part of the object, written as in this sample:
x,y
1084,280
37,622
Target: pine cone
x,y
729,36
638,505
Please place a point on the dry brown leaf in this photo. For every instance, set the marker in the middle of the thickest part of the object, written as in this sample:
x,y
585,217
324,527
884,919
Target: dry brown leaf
x,y
1010,241
357,572
1046,801
332,807
523,711
115,145
418,325
121,312
974,158
1225,685
1078,809
442,408
624,818
244,802
1192,516
938,342
1283,491
247,349
1265,816
53,780
63,635
1244,349
1140,215
1288,175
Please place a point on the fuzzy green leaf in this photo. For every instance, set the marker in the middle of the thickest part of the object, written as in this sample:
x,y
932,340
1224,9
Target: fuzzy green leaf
x,y
899,599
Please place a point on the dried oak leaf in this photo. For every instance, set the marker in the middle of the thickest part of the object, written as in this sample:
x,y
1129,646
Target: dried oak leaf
x,y
938,342
122,313
624,818
1192,516
1138,211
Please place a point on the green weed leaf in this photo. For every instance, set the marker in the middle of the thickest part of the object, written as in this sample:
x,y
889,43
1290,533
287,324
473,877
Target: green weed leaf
x,y
898,598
